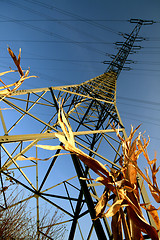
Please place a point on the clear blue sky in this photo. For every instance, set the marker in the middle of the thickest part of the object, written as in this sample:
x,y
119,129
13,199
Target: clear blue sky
x,y
65,42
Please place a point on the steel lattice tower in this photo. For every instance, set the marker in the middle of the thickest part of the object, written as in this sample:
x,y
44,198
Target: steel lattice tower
x,y
91,109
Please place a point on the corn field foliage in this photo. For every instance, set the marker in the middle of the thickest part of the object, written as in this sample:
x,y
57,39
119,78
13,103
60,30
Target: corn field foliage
x,y
120,185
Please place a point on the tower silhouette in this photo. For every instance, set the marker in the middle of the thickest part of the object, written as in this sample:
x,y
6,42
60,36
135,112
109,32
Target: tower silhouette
x,y
91,109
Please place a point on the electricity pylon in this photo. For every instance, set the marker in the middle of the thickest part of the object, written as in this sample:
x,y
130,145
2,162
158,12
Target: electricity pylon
x,y
91,109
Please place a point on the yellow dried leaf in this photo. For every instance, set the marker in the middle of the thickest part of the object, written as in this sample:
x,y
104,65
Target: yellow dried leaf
x,y
22,158
155,193
61,138
143,149
153,211
95,165
128,189
152,161
70,132
138,219
49,147
26,74
4,92
108,183
65,126
101,205
114,208
3,73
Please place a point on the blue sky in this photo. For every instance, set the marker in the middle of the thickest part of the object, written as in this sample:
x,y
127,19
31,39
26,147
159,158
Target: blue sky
x,y
65,42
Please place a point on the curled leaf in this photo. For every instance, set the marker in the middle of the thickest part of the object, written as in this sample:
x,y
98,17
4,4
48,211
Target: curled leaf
x,y
66,128
114,208
101,205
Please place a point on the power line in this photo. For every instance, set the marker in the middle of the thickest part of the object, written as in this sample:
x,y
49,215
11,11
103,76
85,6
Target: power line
x,y
147,122
138,106
141,116
81,61
153,39
56,59
148,52
77,60
54,34
146,62
48,18
148,70
139,100
46,31
144,122
150,47
51,7
54,41
64,39
66,20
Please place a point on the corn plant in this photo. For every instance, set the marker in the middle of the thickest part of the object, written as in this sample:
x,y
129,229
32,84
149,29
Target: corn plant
x,y
126,209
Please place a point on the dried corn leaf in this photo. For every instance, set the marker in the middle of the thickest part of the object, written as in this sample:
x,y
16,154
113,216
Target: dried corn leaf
x,y
17,62
22,158
5,92
3,73
95,165
152,161
138,219
65,125
117,132
106,182
49,147
6,88
143,147
133,167
154,189
125,184
155,193
116,226
153,211
135,231
69,145
114,208
19,56
154,172
143,226
62,124
101,205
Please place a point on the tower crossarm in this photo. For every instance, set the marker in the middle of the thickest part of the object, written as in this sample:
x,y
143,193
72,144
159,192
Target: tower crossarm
x,y
118,62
